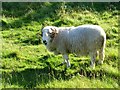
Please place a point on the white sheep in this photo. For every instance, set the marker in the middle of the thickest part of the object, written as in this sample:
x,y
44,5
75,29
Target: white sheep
x,y
80,40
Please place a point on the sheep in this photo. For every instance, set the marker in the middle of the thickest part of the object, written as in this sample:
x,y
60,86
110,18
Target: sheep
x,y
80,40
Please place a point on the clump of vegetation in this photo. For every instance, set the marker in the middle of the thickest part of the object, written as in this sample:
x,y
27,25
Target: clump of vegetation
x,y
27,64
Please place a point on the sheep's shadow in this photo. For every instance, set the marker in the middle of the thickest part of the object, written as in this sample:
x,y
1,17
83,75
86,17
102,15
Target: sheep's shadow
x,y
30,78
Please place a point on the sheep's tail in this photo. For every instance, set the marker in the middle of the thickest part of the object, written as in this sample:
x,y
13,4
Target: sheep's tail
x,y
102,50
104,41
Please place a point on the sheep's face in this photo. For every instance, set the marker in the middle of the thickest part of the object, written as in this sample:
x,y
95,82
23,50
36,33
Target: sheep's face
x,y
48,34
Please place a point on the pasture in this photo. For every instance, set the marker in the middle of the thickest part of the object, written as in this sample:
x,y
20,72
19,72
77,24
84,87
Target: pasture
x,y
26,63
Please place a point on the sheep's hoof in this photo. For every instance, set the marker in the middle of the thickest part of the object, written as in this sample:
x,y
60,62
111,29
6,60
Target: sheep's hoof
x,y
100,62
68,65
92,66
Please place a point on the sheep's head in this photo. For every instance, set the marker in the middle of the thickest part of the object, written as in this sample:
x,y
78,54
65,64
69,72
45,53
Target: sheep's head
x,y
48,34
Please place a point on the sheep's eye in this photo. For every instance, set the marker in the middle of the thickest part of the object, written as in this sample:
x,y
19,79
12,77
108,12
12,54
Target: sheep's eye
x,y
50,33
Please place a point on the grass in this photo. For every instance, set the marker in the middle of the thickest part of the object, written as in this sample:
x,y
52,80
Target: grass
x,y
26,63
82,82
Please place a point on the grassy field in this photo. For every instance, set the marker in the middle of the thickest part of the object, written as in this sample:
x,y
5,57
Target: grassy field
x,y
25,62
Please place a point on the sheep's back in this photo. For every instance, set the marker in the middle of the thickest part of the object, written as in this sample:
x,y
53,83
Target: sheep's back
x,y
83,39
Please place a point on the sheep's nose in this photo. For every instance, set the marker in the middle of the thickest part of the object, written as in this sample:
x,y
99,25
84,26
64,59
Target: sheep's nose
x,y
45,42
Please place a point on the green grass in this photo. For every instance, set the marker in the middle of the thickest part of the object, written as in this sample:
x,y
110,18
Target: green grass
x,y
81,82
25,61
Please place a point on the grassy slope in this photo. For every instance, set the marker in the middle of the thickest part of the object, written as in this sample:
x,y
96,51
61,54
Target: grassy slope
x,y
27,63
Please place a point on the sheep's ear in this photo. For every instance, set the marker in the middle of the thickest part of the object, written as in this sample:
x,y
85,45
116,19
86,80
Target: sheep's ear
x,y
53,33
54,30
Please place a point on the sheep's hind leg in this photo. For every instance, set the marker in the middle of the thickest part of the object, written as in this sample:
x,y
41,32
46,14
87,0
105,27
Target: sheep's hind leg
x,y
93,58
66,60
101,56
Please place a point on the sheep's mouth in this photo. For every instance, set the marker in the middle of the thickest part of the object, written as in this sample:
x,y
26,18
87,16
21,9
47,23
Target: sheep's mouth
x,y
45,42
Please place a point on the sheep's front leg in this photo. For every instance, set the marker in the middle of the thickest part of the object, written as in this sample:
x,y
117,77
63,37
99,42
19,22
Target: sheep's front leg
x,y
66,60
